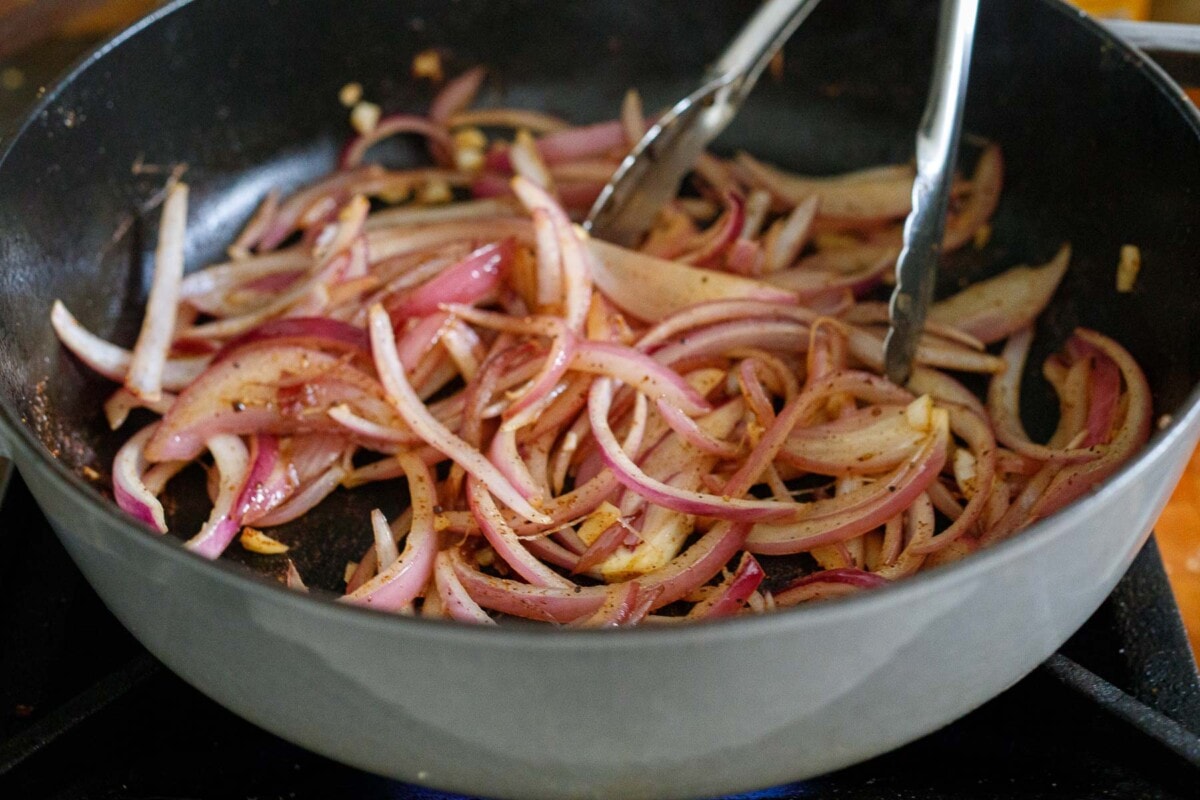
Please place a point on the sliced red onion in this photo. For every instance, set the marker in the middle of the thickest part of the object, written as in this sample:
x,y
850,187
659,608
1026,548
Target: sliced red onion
x,y
641,372
256,226
731,594
575,258
457,95
507,458
356,148
421,338
696,566
371,431
315,332
752,390
525,407
414,412
862,510
337,189
455,598
1103,400
409,216
368,565
625,605
980,204
827,584
121,402
880,194
705,314
672,233
691,433
464,347
516,118
233,467
724,232
809,281
975,430
280,390
310,455
307,298
604,546
293,580
386,243
777,335
867,347
785,241
866,441
268,484
111,361
131,494
653,288
527,161
468,282
745,258
633,117
572,144
491,186
402,578
221,278
505,541
997,307
305,499
549,258
149,357
1004,392
541,325
573,505
1075,480
797,411
633,478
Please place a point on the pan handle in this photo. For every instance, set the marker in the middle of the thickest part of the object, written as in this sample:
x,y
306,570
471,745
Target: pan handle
x,y
1174,45
1158,37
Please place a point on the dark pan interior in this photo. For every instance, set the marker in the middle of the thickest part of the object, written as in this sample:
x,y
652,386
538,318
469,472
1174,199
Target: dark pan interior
x,y
243,93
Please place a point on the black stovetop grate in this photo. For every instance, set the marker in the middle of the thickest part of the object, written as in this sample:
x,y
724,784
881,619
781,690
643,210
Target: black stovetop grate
x,y
85,712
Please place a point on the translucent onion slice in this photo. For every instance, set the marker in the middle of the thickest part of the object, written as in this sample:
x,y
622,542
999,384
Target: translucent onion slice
x,y
881,193
233,467
394,125
683,575
828,584
132,495
652,288
455,598
505,542
145,376
633,478
731,594
1075,480
414,412
994,308
112,361
403,578
1003,402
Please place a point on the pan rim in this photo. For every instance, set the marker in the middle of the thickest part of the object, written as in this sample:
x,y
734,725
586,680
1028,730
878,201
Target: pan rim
x,y
1185,423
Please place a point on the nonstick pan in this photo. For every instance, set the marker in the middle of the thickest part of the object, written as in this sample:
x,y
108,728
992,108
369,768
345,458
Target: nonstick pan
x,y
1100,148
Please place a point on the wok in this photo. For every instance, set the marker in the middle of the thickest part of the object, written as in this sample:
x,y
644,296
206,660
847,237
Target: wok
x,y
1101,150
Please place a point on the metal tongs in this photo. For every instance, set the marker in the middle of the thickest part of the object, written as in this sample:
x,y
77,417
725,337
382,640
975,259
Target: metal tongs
x,y
651,174
937,155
